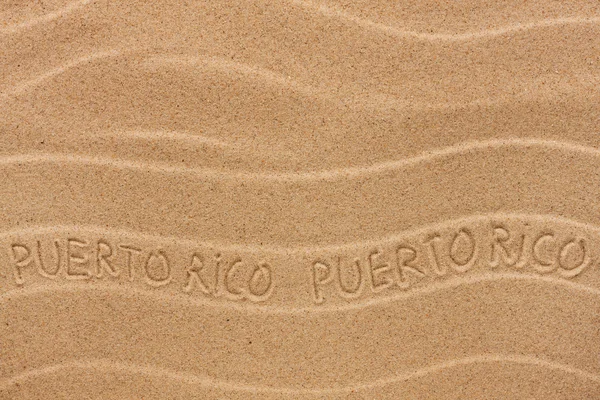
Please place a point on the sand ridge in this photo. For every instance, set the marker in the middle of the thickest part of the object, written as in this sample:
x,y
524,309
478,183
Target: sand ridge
x,y
299,199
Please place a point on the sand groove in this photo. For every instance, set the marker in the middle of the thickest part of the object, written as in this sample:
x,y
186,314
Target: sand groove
x,y
153,372
24,86
332,12
328,175
133,293
413,231
45,18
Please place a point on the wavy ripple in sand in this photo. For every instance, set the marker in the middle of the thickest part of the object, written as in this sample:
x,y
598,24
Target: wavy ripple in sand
x,y
334,12
325,175
267,76
32,83
484,217
372,100
188,378
51,16
153,61
135,293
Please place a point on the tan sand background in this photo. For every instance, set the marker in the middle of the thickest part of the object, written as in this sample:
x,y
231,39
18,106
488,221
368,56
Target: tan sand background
x,y
299,199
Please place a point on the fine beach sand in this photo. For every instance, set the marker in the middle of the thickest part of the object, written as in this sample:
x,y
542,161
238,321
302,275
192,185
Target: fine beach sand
x,y
300,199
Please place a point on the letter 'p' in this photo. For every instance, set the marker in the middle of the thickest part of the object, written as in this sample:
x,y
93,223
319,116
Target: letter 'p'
x,y
22,258
321,275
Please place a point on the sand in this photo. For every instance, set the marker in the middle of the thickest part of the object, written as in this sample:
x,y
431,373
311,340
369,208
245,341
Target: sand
x,y
299,199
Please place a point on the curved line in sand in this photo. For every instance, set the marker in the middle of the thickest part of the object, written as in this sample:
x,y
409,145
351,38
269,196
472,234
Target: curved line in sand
x,y
165,59
193,379
485,217
325,175
187,138
333,12
23,86
177,136
51,16
374,101
225,64
135,293
220,63
336,13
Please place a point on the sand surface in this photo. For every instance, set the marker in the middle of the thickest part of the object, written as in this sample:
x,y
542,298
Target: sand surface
x,y
300,199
